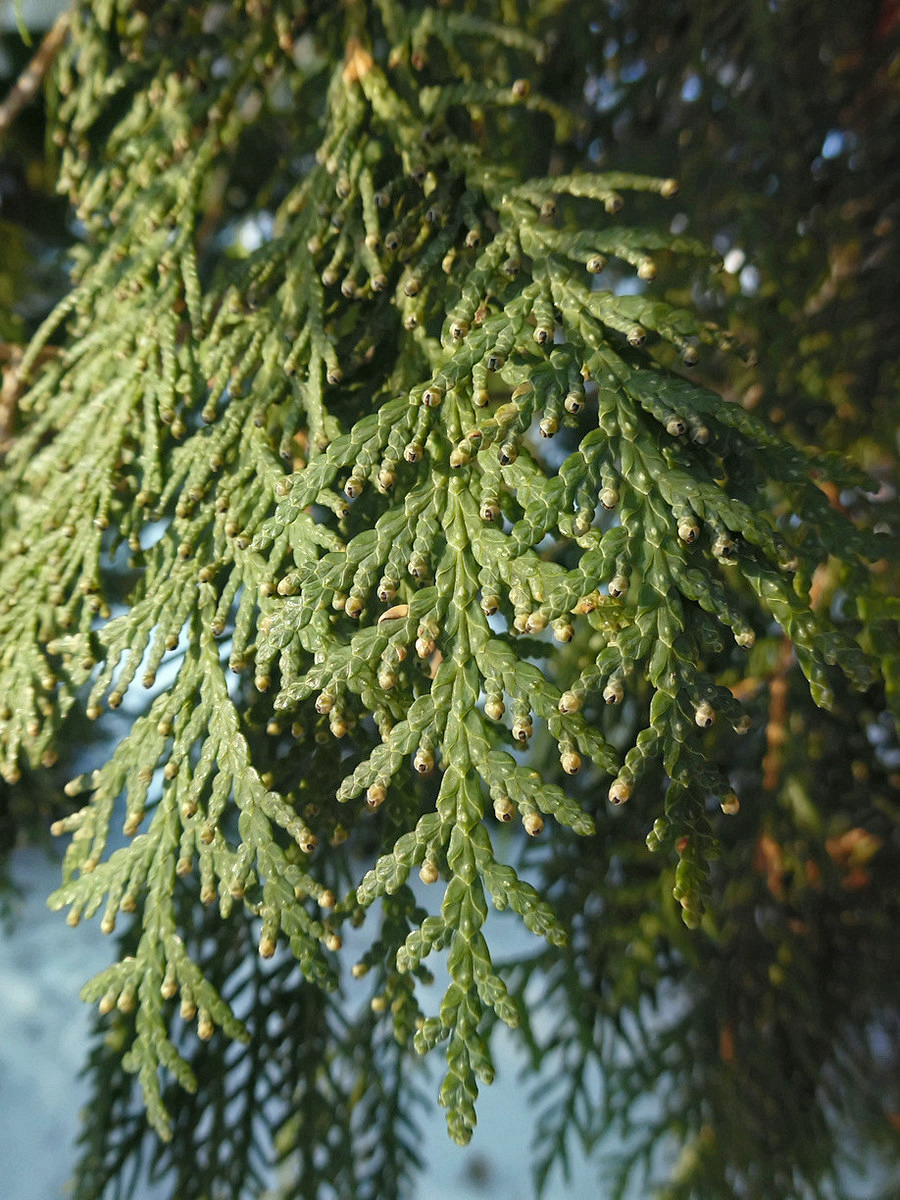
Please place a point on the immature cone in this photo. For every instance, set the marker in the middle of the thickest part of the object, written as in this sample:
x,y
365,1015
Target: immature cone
x,y
425,647
376,795
424,761
504,809
428,872
705,715
619,791
571,762
522,729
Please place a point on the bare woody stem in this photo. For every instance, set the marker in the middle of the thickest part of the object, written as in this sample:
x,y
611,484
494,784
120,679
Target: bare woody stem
x,y
28,84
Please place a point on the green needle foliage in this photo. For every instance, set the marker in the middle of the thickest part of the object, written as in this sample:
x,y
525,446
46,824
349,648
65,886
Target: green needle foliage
x,y
378,466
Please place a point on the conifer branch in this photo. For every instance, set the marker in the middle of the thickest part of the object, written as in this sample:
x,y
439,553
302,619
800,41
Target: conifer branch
x,y
331,460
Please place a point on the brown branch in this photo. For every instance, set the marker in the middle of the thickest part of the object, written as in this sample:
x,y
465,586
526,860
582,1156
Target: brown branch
x,y
27,85
12,385
776,729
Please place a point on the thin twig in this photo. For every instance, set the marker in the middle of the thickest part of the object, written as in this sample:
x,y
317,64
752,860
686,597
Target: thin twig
x,y
28,84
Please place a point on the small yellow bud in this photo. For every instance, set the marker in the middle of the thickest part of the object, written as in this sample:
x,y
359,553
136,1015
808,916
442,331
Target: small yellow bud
x,y
571,762
127,999
387,591
619,791
533,824
108,1001
376,795
704,715
424,761
504,809
522,729
429,872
